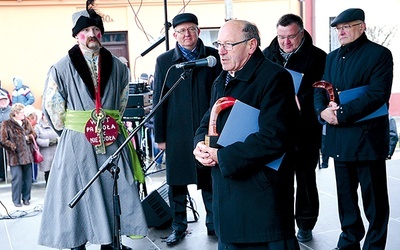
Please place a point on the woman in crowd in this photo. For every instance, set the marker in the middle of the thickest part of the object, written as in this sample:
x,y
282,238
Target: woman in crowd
x,y
16,137
47,140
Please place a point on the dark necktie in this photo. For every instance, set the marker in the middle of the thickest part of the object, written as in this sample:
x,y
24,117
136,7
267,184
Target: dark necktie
x,y
228,78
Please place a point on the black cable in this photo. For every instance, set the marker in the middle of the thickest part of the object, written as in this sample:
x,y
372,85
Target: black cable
x,y
191,206
20,213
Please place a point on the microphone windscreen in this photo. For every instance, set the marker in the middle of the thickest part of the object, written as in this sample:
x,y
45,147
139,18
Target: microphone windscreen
x,y
212,61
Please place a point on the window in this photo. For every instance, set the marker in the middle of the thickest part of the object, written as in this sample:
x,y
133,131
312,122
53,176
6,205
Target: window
x,y
209,35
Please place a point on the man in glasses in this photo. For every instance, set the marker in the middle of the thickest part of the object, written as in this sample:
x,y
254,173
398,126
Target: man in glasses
x,y
359,147
253,203
293,49
177,119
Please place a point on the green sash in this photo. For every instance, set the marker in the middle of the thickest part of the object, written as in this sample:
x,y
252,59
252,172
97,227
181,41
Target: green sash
x,y
77,119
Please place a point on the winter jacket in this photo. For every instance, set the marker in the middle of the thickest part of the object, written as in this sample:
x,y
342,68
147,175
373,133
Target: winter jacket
x,y
22,93
252,202
178,118
45,136
13,139
357,64
310,61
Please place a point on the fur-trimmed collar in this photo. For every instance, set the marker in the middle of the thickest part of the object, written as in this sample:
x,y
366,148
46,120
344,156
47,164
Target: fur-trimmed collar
x,y
105,66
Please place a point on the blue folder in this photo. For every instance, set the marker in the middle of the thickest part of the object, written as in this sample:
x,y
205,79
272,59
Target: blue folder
x,y
346,96
243,121
297,77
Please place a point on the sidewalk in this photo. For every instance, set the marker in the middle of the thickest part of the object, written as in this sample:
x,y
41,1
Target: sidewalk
x,y
22,233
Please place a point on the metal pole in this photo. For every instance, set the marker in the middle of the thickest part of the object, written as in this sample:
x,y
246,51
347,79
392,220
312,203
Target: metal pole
x,y
166,25
228,10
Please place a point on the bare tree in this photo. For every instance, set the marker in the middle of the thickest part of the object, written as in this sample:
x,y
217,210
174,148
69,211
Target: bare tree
x,y
381,34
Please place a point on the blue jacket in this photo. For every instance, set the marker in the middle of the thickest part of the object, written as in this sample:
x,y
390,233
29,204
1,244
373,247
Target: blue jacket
x,y
22,93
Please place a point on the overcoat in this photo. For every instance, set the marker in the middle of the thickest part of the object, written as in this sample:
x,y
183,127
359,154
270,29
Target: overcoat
x,y
19,150
360,63
251,202
44,134
310,61
178,118
69,87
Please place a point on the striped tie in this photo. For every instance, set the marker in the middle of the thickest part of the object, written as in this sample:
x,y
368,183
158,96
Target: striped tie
x,y
228,78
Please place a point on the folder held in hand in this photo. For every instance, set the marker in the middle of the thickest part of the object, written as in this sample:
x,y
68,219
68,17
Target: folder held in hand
x,y
243,121
346,96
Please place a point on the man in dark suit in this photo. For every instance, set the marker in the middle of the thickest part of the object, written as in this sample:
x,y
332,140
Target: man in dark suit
x,y
293,48
359,148
253,203
177,119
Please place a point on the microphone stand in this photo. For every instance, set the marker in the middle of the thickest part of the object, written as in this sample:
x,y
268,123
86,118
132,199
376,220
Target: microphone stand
x,y
114,169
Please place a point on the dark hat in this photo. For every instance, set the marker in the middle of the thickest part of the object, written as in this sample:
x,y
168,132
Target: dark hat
x,y
86,18
144,76
184,18
3,94
349,15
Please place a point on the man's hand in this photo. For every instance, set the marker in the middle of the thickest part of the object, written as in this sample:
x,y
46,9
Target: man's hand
x,y
207,156
329,114
161,145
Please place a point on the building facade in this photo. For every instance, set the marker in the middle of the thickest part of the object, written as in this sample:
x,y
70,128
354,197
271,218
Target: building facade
x,y
37,33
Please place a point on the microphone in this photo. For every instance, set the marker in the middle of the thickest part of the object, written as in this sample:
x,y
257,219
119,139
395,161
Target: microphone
x,y
210,61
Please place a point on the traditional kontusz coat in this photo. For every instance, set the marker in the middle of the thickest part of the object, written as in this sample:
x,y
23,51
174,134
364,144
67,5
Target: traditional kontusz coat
x,y
69,88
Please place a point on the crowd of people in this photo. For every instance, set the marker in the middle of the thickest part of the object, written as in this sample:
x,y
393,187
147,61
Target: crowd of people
x,y
248,204
20,124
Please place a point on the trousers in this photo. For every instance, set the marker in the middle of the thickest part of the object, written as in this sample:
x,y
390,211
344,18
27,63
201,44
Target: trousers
x,y
21,182
371,177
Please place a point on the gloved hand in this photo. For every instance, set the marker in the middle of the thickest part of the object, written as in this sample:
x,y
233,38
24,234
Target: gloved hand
x,y
52,142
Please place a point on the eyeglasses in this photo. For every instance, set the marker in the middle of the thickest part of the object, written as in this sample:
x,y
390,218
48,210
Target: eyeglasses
x,y
291,37
183,31
346,27
229,46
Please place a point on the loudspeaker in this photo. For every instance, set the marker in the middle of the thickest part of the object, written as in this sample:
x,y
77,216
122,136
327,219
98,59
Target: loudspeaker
x,y
156,208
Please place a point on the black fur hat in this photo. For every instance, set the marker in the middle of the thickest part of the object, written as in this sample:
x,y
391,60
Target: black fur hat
x,y
85,18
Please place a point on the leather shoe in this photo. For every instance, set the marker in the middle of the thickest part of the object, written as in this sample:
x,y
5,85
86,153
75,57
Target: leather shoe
x,y
79,248
211,232
175,237
26,203
110,247
304,235
18,204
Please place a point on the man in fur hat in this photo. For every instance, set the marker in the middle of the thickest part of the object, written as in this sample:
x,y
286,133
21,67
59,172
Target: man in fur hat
x,y
89,86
